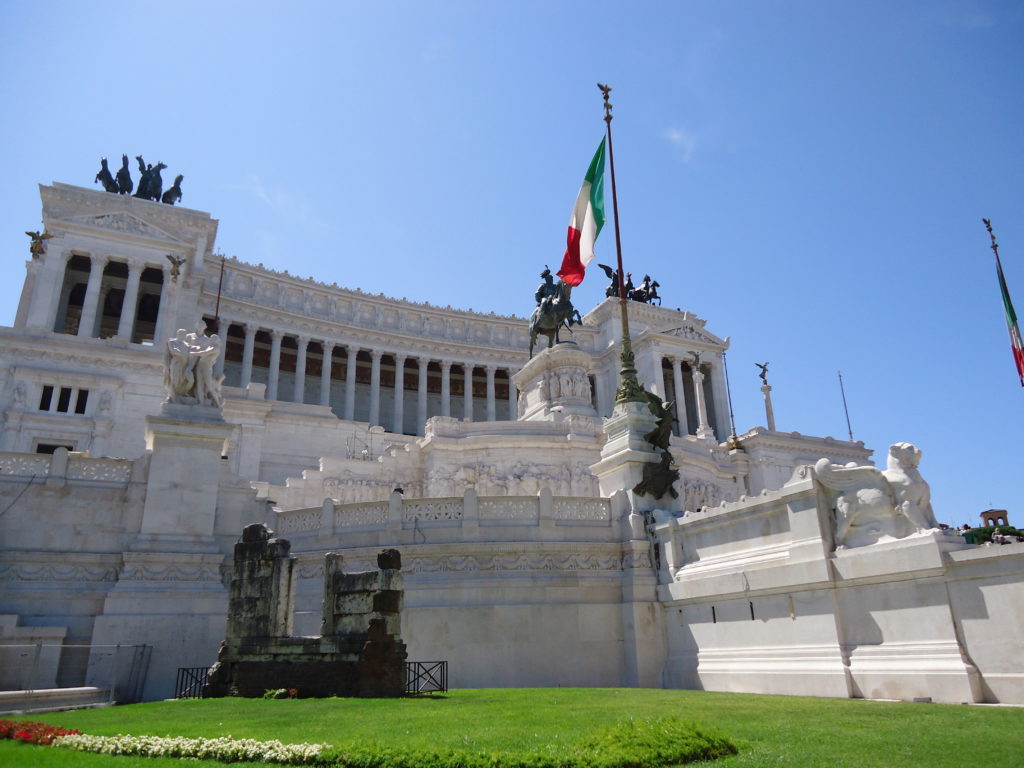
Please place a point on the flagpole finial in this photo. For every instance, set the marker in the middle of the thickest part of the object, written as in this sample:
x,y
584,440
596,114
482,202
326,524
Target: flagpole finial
x,y
605,90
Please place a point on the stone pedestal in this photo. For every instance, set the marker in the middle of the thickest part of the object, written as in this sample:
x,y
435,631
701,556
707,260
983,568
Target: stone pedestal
x,y
554,384
624,455
187,443
169,594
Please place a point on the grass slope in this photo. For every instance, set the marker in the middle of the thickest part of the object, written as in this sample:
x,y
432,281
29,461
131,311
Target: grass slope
x,y
769,730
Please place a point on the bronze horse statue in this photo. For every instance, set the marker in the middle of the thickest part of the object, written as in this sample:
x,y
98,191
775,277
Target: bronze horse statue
x,y
124,178
552,314
647,292
173,194
105,178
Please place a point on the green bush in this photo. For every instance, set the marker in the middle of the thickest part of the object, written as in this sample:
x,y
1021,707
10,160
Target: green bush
x,y
633,744
984,533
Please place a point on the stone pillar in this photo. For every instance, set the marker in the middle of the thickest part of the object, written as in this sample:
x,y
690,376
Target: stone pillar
x,y
299,392
513,399
87,322
704,431
325,372
275,364
446,387
45,303
375,355
768,412
398,425
350,381
421,396
492,413
720,394
467,394
129,307
247,352
682,427
164,316
222,331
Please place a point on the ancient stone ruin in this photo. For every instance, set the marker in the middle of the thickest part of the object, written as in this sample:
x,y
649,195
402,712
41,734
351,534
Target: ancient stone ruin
x,y
359,651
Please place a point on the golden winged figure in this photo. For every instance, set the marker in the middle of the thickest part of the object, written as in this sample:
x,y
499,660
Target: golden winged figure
x,y
38,245
176,262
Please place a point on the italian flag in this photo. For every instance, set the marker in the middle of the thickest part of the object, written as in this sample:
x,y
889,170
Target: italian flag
x,y
1011,323
585,223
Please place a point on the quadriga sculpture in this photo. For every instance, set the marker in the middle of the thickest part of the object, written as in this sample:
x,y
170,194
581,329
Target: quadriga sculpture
x,y
871,504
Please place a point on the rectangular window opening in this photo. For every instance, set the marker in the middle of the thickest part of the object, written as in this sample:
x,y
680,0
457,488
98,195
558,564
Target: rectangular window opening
x,y
64,400
82,400
46,399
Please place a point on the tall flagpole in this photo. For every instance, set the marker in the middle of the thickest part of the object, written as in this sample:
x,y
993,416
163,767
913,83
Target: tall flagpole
x,y
629,390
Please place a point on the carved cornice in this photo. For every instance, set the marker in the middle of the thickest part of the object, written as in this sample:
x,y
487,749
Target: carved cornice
x,y
286,278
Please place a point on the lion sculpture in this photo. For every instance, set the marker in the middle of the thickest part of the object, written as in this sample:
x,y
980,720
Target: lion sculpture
x,y
871,504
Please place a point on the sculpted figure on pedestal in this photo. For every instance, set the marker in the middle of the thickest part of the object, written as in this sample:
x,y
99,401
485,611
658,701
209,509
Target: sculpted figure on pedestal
x,y
554,310
871,504
189,360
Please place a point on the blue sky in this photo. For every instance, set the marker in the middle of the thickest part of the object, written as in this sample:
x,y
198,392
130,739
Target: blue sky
x,y
808,177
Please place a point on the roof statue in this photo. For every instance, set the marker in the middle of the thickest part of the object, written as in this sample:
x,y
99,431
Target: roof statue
x,y
173,194
124,178
104,177
38,245
764,372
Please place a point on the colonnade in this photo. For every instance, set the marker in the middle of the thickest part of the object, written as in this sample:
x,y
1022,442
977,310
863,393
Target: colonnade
x,y
136,317
696,391
450,380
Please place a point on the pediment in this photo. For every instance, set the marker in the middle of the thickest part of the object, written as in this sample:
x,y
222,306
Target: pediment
x,y
693,334
125,223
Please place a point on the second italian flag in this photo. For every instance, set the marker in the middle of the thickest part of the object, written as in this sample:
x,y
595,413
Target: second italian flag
x,y
585,223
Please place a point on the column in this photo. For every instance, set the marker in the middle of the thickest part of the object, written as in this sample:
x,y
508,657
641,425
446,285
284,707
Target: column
x,y
247,351
467,394
375,355
161,333
703,430
769,412
492,413
421,396
275,363
222,331
350,381
299,392
325,373
601,387
446,387
682,427
513,398
87,322
398,425
720,395
129,307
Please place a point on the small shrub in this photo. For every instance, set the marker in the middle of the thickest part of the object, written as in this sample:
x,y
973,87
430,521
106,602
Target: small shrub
x,y
281,693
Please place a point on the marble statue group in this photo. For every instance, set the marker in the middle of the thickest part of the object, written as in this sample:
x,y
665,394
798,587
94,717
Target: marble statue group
x,y
189,361
151,184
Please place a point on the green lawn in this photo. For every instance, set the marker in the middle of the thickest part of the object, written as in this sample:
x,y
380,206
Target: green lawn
x,y
769,730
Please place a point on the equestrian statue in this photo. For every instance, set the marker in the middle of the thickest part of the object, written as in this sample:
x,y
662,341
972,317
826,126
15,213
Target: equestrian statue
x,y
554,310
